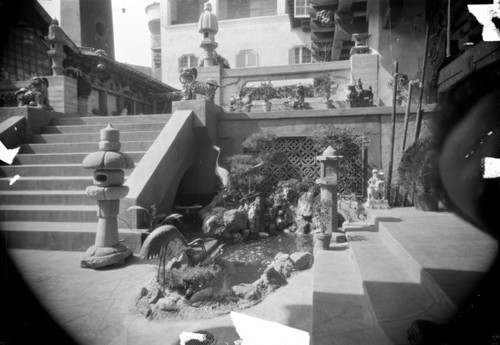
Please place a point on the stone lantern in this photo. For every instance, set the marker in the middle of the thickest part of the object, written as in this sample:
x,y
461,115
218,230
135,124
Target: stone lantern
x,y
328,188
108,189
208,26
56,53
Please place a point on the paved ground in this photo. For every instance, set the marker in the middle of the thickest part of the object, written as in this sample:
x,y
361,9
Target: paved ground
x,y
95,307
377,276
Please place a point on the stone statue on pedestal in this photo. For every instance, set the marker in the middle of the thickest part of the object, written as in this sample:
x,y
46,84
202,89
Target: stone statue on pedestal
x,y
376,191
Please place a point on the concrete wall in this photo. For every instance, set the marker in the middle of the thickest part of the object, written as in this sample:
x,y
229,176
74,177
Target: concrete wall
x,y
374,122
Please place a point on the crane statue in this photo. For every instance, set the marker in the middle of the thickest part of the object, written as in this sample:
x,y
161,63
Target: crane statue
x,y
221,173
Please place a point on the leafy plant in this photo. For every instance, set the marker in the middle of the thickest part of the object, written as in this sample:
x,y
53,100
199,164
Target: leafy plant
x,y
154,219
246,177
321,216
417,169
191,278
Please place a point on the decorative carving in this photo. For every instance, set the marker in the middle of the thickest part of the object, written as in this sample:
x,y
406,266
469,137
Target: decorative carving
x,y
325,17
437,42
35,95
191,87
359,97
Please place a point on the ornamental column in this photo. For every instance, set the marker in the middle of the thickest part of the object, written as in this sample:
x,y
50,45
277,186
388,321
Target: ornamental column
x,y
108,189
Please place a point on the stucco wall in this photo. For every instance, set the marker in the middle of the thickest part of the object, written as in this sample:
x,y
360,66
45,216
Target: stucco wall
x,y
270,37
374,122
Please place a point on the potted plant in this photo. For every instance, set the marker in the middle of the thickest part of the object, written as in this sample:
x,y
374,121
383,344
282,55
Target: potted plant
x,y
267,92
417,175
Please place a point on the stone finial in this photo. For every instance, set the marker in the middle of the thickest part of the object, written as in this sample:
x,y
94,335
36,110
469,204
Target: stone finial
x,y
108,189
208,26
55,38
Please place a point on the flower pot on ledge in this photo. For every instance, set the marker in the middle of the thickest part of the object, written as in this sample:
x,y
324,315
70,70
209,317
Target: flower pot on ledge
x,y
321,240
267,106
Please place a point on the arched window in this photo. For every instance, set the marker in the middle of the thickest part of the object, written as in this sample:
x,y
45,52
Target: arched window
x,y
301,8
188,60
246,58
298,55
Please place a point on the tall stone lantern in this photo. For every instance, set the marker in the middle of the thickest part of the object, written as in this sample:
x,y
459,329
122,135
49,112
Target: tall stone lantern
x,y
327,182
108,189
56,53
208,26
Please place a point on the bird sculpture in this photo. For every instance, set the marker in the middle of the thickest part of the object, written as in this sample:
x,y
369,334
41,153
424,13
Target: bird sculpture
x,y
221,173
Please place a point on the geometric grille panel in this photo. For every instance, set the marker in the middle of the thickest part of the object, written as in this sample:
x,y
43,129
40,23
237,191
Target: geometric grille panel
x,y
298,160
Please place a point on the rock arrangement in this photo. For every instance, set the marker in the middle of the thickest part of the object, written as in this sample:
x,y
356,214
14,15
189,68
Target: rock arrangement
x,y
155,302
283,210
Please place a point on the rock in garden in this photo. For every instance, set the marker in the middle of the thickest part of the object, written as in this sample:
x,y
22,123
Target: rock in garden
x,y
154,293
253,220
179,262
143,307
202,295
263,234
237,237
211,224
246,291
272,277
235,220
303,227
283,264
302,260
305,205
167,304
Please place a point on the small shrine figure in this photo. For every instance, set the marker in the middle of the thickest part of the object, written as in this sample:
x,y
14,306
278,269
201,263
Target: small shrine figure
x,y
187,79
376,191
359,97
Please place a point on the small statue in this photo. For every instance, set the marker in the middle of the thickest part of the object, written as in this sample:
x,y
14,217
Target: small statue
x,y
376,191
191,87
35,95
298,101
359,97
325,17
241,102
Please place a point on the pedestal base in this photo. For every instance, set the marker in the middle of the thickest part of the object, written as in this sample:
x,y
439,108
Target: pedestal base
x,y
97,257
377,204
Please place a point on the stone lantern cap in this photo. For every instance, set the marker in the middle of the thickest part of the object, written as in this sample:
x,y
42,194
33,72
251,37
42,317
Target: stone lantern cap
x,y
329,154
208,21
108,157
55,32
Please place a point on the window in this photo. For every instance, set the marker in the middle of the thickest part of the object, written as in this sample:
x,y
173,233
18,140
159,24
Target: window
x,y
299,55
188,60
246,58
301,8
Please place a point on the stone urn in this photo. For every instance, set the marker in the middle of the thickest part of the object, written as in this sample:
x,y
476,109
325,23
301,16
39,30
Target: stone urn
x,y
322,240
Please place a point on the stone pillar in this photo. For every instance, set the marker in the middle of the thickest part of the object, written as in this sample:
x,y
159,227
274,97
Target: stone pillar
x,y
108,189
328,187
56,40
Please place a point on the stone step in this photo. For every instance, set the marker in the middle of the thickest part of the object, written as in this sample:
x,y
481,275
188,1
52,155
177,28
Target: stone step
x,y
61,236
49,213
89,137
45,197
105,120
125,127
47,183
46,170
341,308
83,147
64,158
397,293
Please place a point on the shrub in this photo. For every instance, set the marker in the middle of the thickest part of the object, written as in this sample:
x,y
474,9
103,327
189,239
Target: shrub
x,y
417,169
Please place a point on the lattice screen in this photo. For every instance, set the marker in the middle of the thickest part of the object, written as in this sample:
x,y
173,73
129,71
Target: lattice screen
x,y
298,160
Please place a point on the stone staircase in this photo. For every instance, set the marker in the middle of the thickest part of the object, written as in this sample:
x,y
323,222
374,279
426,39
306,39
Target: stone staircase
x,y
48,202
